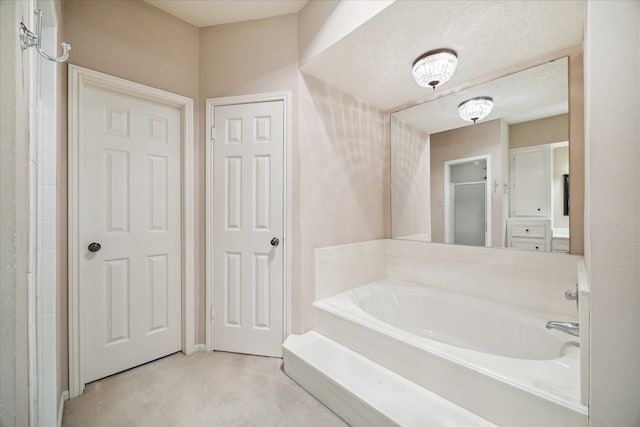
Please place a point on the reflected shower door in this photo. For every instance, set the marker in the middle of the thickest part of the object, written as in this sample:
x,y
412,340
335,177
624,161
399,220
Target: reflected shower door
x,y
469,206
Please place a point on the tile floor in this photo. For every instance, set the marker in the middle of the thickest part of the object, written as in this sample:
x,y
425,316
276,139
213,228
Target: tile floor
x,y
204,389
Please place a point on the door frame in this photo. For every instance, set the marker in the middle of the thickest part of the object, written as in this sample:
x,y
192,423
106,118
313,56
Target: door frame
x,y
211,103
79,79
448,200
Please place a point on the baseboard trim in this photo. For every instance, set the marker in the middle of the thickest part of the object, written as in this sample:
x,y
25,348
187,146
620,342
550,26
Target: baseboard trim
x,y
199,347
64,396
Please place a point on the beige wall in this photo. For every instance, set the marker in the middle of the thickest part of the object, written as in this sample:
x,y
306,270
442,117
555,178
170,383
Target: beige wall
x,y
410,181
132,40
538,132
344,176
135,41
138,42
262,58
469,141
613,210
338,148
249,57
576,152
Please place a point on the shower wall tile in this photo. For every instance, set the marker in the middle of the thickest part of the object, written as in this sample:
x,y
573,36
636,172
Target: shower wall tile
x,y
49,143
47,406
47,330
47,298
48,168
47,197
47,368
47,266
44,179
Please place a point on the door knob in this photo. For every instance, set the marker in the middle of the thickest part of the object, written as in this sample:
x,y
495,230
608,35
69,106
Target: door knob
x,y
275,241
94,247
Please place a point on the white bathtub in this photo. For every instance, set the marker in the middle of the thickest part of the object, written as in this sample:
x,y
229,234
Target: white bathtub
x,y
496,360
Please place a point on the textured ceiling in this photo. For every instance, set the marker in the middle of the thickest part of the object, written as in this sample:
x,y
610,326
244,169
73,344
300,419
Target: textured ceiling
x,y
531,94
203,13
374,61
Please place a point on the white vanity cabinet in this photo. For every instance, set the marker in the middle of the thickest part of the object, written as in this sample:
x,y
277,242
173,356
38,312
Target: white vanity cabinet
x,y
530,245
530,182
560,240
560,245
530,234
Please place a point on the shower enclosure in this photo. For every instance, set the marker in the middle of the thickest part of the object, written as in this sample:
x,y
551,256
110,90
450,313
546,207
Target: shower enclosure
x,y
466,201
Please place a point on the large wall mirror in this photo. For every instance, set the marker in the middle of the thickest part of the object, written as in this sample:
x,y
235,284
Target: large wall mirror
x,y
501,182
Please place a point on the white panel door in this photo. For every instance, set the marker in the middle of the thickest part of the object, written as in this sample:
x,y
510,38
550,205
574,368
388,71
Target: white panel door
x,y
531,182
248,215
129,180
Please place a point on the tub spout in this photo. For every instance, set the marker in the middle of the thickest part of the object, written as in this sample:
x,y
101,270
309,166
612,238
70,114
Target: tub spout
x,y
570,328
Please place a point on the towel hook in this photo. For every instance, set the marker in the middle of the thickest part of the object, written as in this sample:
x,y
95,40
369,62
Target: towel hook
x,y
29,39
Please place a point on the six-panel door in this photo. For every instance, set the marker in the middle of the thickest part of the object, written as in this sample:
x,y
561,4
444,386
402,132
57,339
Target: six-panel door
x,y
248,216
130,198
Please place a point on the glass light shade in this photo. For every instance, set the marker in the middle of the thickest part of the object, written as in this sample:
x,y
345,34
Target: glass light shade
x,y
435,67
475,109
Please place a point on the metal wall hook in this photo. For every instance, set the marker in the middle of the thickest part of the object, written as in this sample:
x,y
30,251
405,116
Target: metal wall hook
x,y
30,39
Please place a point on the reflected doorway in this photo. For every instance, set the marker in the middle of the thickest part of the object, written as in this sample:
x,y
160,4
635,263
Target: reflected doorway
x,y
467,201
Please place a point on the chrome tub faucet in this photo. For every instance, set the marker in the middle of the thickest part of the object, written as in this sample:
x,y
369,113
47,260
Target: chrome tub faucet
x,y
571,328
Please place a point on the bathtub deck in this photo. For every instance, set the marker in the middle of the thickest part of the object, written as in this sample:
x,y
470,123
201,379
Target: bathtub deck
x,y
363,392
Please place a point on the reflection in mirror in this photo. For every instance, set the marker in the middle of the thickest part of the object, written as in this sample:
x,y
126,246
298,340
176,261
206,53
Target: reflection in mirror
x,y
502,182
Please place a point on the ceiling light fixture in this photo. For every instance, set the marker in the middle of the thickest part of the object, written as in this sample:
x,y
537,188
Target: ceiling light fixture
x,y
435,67
475,109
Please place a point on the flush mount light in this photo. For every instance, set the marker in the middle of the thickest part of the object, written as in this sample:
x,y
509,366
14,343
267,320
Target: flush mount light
x,y
475,109
435,67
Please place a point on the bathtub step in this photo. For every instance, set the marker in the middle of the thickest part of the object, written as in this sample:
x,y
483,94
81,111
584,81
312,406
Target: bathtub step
x,y
363,392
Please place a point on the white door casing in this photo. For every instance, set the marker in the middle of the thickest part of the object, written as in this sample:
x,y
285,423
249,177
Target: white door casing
x,y
130,189
246,209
